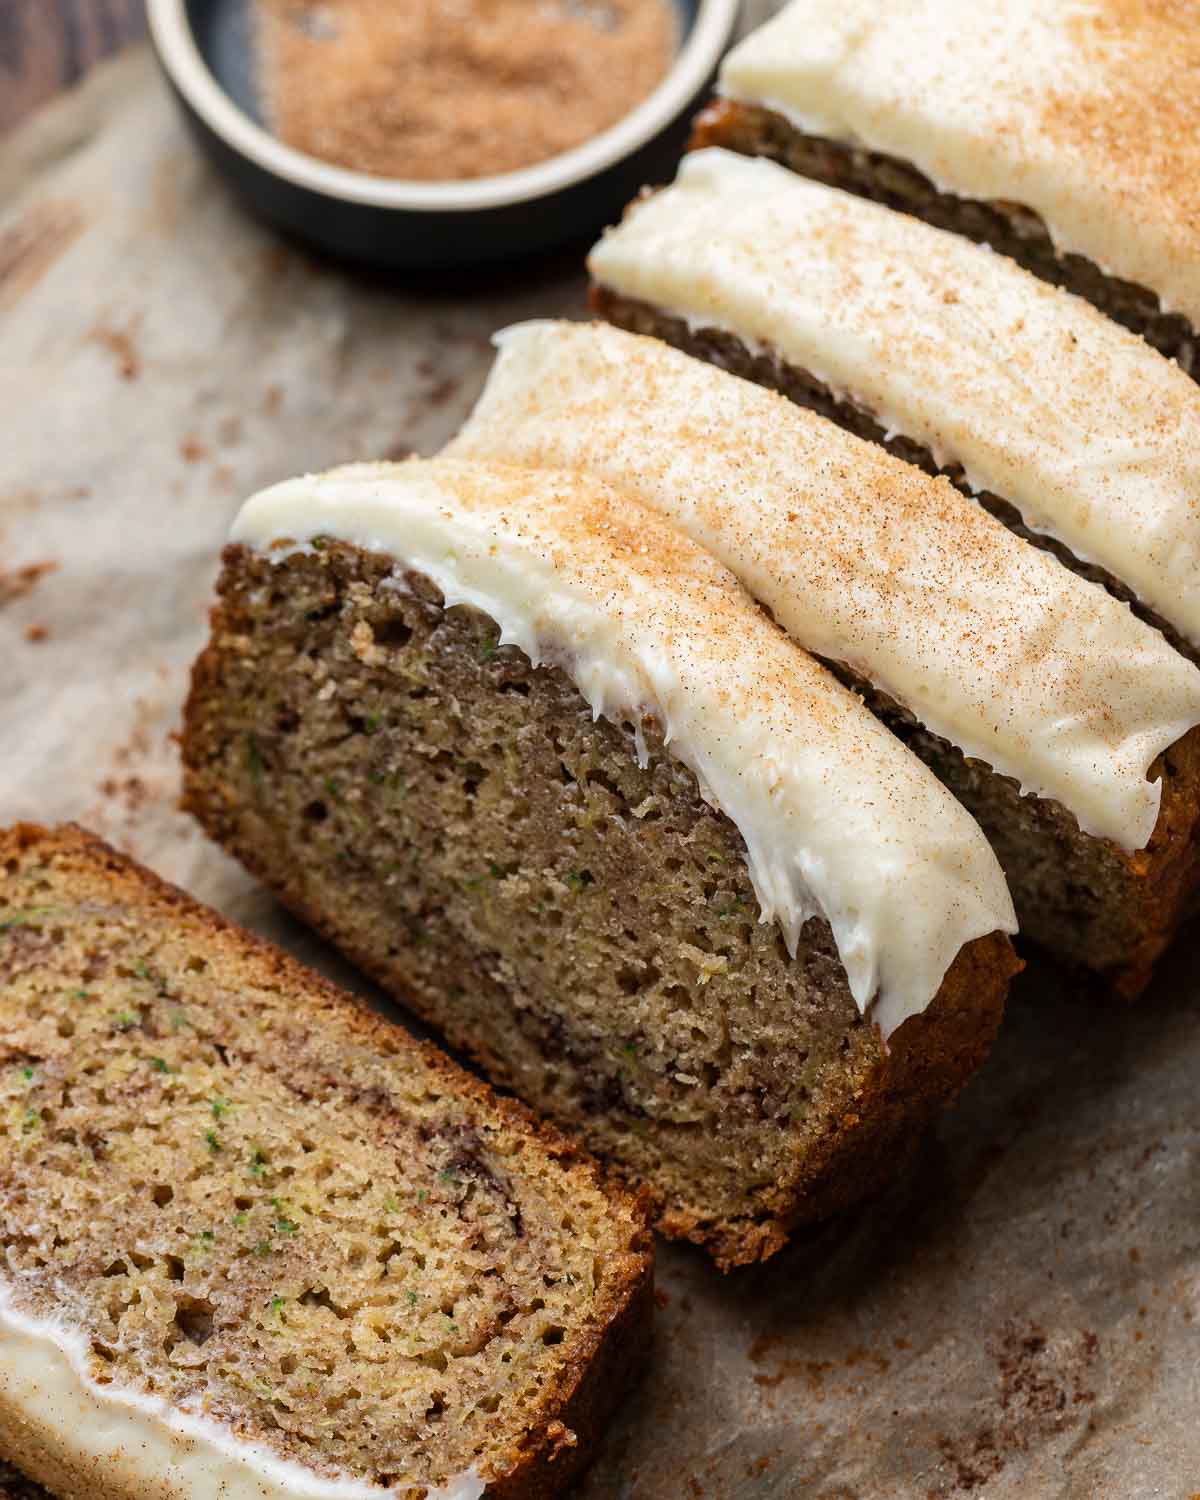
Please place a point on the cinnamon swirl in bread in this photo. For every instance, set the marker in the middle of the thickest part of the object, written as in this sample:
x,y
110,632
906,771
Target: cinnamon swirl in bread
x,y
261,1243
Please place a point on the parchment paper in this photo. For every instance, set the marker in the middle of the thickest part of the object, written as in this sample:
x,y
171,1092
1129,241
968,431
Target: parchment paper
x,y
1017,1317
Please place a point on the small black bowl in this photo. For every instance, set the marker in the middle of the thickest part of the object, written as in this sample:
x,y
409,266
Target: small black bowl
x,y
205,48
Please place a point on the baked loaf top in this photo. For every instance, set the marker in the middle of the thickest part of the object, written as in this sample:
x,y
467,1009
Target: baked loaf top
x,y
839,820
866,560
1083,112
1089,432
259,1242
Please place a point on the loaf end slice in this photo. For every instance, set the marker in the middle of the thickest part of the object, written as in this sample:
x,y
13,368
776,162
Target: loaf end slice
x,y
455,820
256,1235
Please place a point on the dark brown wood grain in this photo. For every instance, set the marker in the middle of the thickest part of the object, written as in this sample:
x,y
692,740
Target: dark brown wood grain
x,y
47,45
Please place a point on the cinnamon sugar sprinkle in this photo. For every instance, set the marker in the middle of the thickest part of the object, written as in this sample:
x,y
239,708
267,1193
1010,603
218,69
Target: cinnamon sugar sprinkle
x,y
1132,109
454,89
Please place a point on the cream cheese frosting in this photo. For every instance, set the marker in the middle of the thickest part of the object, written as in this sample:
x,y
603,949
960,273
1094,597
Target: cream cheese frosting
x,y
1092,435
1084,112
143,1445
863,559
839,820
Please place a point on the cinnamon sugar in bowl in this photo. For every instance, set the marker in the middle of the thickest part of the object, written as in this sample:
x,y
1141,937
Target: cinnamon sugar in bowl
x,y
540,141
441,90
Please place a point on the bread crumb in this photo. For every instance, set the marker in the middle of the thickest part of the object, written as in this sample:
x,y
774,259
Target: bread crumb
x,y
119,343
18,582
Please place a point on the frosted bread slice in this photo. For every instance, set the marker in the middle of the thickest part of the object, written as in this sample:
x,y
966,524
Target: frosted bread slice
x,y
1066,426
1061,134
1064,723
535,761
261,1243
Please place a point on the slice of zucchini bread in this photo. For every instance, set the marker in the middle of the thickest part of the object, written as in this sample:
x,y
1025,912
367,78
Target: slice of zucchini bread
x,y
259,1242
1062,135
1065,724
537,763
1070,429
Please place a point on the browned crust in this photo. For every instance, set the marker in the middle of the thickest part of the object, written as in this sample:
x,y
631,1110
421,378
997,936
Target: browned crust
x,y
579,1401
1169,866
875,1126
1013,229
15,1486
931,1057
553,1459
1160,880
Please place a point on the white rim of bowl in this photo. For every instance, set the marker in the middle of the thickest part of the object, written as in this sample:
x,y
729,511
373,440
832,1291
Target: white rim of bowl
x,y
702,49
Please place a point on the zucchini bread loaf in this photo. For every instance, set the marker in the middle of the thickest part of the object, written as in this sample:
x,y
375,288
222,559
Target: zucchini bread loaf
x,y
537,763
1068,427
1064,723
1061,134
260,1243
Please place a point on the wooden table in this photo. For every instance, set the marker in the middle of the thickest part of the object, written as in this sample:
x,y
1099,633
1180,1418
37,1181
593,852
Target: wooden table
x,y
47,45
